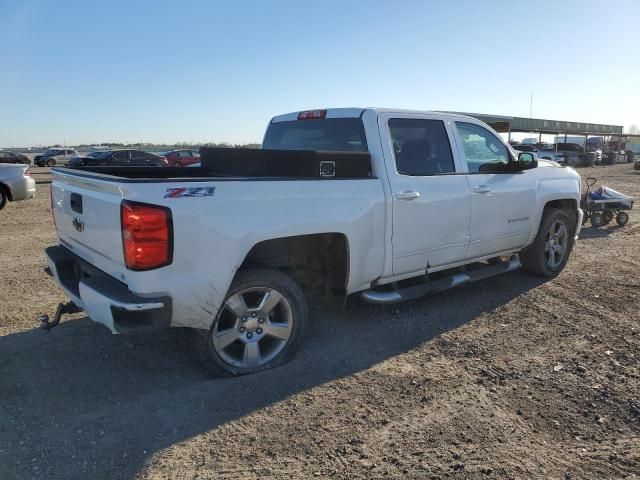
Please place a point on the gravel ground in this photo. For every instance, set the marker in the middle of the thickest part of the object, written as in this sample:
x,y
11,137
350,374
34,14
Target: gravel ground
x,y
510,378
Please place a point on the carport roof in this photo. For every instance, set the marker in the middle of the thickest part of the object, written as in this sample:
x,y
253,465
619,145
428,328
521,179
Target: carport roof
x,y
504,124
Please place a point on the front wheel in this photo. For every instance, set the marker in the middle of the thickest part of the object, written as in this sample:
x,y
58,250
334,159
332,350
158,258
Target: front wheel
x,y
550,251
51,162
258,326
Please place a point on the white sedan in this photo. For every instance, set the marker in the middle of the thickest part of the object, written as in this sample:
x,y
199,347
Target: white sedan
x,y
16,183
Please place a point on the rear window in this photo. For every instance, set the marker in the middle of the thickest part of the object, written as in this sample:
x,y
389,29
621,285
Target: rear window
x,y
421,146
333,134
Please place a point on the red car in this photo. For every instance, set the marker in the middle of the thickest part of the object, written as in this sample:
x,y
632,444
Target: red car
x,y
181,158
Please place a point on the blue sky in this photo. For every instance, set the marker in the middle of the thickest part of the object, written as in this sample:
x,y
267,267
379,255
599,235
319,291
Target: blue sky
x,y
165,71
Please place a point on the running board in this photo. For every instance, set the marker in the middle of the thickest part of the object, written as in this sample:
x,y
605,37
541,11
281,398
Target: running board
x,y
417,291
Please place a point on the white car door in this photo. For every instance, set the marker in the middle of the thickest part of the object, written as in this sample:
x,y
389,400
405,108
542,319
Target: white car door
x,y
431,205
502,199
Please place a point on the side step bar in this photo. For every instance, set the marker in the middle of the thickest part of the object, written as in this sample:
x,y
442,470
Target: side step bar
x,y
417,291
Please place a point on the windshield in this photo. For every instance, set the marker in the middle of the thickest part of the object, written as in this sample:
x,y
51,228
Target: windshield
x,y
333,134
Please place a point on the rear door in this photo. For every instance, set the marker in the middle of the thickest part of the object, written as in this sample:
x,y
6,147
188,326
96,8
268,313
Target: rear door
x,y
431,201
139,159
64,159
186,157
502,201
120,158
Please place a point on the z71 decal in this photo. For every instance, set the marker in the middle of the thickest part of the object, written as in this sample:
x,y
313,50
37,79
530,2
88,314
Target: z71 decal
x,y
182,192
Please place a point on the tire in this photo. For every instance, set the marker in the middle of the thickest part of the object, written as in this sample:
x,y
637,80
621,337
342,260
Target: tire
x,y
622,218
177,164
3,197
608,216
548,259
225,348
597,220
51,162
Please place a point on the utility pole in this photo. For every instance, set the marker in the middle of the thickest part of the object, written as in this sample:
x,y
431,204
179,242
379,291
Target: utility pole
x,y
531,105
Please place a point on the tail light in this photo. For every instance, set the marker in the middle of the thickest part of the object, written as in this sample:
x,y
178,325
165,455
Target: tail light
x,y
147,235
312,115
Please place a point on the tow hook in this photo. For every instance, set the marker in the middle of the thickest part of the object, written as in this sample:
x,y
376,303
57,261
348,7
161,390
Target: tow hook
x,y
63,308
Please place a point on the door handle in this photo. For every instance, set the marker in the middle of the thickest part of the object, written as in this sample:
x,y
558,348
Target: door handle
x,y
481,189
408,195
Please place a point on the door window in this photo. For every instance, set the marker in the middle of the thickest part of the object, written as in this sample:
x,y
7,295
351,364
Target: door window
x,y
121,156
421,147
482,149
185,153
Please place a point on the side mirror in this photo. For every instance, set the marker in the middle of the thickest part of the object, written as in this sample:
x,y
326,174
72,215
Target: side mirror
x,y
527,161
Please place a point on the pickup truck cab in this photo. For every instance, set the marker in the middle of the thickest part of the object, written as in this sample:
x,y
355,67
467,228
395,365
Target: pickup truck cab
x,y
440,201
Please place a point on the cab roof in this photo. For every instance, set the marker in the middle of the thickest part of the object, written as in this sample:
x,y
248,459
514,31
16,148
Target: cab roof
x,y
355,112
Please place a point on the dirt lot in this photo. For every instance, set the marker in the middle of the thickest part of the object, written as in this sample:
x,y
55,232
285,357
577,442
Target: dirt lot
x,y
510,378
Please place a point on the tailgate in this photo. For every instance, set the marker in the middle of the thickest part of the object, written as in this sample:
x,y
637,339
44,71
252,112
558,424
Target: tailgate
x,y
87,216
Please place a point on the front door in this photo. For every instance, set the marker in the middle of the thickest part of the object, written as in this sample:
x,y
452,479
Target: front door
x,y
502,201
431,205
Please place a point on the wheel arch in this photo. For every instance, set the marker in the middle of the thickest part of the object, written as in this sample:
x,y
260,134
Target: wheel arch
x,y
568,204
318,262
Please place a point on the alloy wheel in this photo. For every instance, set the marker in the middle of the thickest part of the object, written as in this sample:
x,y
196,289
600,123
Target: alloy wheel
x,y
253,327
556,244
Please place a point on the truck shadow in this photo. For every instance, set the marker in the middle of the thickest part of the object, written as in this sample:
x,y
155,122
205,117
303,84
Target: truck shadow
x,y
86,404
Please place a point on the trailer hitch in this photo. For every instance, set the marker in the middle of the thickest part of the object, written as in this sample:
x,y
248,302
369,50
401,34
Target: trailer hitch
x,y
63,308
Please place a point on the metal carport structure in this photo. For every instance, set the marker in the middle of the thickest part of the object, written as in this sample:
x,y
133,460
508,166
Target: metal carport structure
x,y
506,124
613,138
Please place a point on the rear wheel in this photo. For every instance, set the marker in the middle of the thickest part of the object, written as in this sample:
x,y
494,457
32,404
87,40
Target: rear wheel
x,y
3,197
550,251
622,218
177,164
597,219
258,326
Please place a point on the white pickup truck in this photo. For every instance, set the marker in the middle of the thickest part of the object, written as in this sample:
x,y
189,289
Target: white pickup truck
x,y
404,203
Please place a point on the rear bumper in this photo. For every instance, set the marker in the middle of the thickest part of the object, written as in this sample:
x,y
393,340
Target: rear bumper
x,y
22,188
103,298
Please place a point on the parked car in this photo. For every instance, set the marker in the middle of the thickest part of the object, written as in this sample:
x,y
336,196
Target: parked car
x,y
386,204
10,157
119,158
182,158
55,156
539,152
569,153
16,183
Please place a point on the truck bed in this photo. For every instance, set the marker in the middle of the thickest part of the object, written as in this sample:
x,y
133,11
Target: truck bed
x,y
238,164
